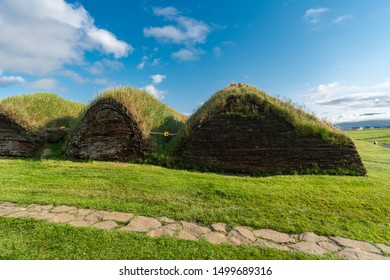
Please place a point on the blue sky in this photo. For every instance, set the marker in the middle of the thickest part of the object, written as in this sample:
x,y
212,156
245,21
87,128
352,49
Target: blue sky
x,y
331,57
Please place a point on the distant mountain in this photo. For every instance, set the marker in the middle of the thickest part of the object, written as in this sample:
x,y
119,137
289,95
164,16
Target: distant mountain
x,y
369,123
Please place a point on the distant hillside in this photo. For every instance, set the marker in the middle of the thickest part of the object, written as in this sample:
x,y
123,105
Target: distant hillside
x,y
370,123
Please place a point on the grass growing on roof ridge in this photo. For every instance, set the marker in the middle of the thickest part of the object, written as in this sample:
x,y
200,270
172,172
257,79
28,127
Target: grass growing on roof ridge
x,y
40,110
150,113
248,99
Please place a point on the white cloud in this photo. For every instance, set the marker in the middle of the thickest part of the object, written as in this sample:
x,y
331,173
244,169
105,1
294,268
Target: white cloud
x,y
217,52
152,89
43,84
342,19
315,12
74,76
313,16
103,82
184,31
187,30
155,62
166,34
77,78
108,43
228,43
168,12
157,78
100,67
195,31
38,36
340,103
326,88
155,91
188,54
141,66
10,80
150,59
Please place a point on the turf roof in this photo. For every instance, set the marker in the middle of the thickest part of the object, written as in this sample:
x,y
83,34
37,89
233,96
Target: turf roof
x,y
150,113
40,110
250,103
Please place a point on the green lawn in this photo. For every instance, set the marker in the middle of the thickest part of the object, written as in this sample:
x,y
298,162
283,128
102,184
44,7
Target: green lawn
x,y
371,135
352,207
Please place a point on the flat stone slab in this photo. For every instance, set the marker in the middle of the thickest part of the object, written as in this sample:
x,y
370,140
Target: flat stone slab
x,y
80,212
94,216
161,232
357,254
8,204
108,225
241,235
39,208
5,212
356,244
167,220
118,216
309,247
384,248
221,227
81,223
15,209
63,208
21,214
269,244
194,229
215,237
187,236
142,224
329,246
62,218
274,236
311,237
174,227
43,216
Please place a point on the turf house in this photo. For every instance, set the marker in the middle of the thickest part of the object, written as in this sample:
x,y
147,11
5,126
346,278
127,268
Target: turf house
x,y
29,121
117,126
243,130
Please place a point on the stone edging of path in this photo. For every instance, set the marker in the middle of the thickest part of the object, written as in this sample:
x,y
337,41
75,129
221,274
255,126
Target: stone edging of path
x,y
217,233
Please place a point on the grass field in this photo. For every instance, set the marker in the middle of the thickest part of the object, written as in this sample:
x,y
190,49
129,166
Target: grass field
x,y
382,136
352,207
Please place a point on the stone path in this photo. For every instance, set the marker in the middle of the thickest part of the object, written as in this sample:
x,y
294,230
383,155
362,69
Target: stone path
x,y
217,233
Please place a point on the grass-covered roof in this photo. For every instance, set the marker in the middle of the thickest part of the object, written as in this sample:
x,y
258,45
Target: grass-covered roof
x,y
150,113
249,102
40,110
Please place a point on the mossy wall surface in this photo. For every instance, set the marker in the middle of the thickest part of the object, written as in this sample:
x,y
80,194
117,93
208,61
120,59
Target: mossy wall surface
x,y
108,132
15,141
272,146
